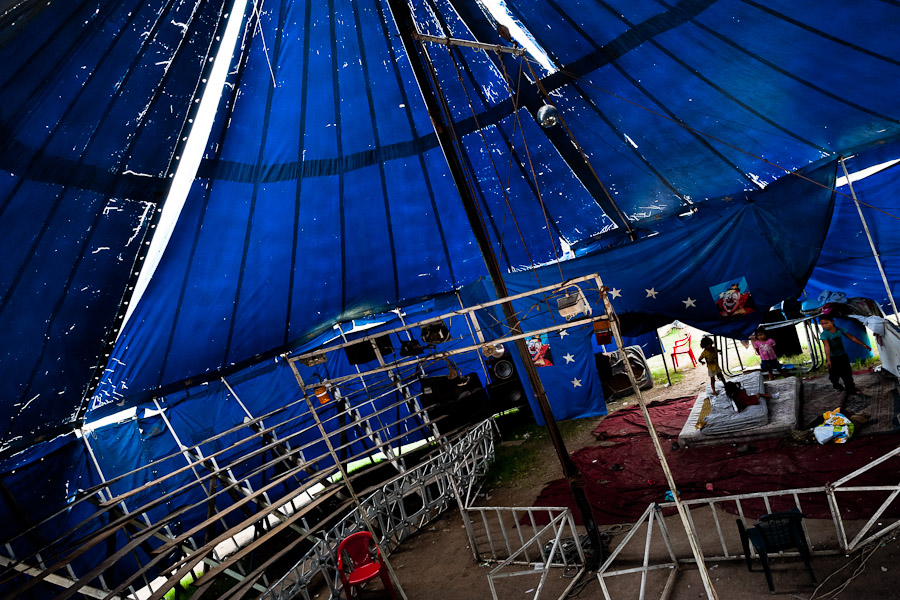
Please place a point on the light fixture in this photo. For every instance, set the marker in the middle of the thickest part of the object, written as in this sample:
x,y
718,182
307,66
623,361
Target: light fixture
x,y
547,116
435,333
493,350
602,332
411,348
313,359
573,304
322,394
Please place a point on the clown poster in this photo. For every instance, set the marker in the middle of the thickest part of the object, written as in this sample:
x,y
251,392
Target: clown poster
x,y
733,298
539,348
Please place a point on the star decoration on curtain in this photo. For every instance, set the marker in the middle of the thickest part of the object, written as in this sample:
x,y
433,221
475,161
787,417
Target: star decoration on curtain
x,y
576,383
615,292
651,293
690,302
569,358
563,333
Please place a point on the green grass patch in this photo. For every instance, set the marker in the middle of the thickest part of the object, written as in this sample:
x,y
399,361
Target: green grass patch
x,y
659,377
859,365
751,361
523,439
510,463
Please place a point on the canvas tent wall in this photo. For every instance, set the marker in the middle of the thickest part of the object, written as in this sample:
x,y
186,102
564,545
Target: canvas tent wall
x,y
324,197
847,263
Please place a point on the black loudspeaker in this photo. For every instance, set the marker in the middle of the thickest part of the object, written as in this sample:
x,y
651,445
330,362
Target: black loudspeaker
x,y
501,369
604,370
457,402
619,383
505,387
363,352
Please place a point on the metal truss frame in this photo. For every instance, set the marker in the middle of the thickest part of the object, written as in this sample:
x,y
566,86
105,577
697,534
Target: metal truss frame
x,y
452,474
512,536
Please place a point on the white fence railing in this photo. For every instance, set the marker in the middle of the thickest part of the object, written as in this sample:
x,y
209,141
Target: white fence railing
x,y
725,544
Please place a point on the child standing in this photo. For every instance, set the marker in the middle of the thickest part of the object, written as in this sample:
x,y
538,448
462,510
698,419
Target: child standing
x,y
836,356
710,357
765,347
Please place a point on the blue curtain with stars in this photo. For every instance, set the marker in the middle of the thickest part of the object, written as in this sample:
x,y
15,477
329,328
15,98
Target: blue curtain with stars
x,y
565,360
741,247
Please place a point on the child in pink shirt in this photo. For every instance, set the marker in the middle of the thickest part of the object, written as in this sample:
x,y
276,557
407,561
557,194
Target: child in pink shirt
x,y
765,347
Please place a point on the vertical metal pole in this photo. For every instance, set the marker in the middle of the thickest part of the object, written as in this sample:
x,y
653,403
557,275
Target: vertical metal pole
x,y
346,479
662,350
865,225
421,70
654,437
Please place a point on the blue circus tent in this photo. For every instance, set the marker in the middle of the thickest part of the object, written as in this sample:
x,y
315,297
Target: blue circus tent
x,y
324,194
695,158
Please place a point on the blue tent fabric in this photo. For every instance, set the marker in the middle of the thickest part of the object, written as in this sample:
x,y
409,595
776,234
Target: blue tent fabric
x,y
706,132
731,241
324,196
94,95
846,263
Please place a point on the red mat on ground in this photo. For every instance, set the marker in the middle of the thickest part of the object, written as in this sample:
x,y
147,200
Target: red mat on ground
x,y
623,475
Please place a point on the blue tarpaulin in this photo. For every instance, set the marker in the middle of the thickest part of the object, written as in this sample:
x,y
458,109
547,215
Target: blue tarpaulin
x,y
847,263
326,196
693,172
95,98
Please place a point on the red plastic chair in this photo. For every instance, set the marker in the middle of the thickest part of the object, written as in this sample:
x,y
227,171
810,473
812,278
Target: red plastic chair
x,y
682,346
365,564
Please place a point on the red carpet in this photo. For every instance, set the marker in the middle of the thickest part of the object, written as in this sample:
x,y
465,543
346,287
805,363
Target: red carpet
x,y
623,474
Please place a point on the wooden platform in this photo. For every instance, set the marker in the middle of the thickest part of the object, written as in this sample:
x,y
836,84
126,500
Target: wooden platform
x,y
783,417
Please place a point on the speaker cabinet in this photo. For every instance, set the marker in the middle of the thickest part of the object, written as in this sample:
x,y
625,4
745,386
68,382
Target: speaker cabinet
x,y
505,388
458,402
363,352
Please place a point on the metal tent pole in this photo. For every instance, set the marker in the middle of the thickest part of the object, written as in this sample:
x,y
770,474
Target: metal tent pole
x,y
429,88
662,350
865,225
679,506
345,477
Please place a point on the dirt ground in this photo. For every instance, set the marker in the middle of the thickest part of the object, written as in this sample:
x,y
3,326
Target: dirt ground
x,y
438,564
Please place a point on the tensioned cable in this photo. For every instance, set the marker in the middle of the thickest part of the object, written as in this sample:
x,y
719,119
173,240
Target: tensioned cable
x,y
714,138
537,185
515,90
262,37
452,131
629,230
501,235
505,188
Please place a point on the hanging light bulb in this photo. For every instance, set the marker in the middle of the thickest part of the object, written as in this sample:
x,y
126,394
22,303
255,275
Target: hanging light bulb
x,y
547,116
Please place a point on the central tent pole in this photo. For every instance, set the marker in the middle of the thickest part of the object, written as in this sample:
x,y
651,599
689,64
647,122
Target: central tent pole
x,y
407,28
